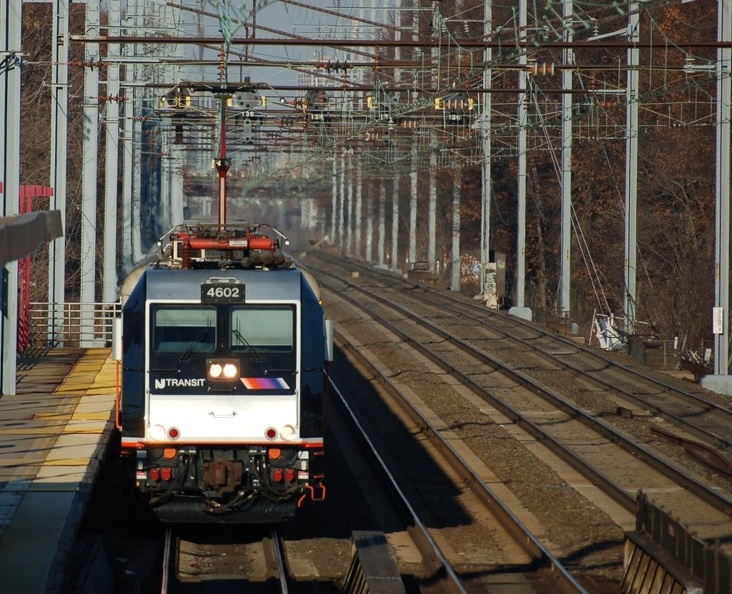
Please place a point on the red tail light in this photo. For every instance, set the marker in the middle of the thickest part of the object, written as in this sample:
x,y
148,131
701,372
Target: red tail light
x,y
154,474
277,475
167,474
290,475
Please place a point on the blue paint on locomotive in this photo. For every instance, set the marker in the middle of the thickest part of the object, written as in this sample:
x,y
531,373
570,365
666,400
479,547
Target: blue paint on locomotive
x,y
266,287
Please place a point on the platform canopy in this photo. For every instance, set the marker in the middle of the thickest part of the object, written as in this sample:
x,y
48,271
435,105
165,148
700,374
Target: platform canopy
x,y
21,235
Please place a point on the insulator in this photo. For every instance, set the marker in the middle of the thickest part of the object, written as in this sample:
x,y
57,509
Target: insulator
x,y
186,254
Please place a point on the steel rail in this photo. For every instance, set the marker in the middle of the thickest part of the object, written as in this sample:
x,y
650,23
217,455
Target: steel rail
x,y
428,546
279,560
511,523
168,544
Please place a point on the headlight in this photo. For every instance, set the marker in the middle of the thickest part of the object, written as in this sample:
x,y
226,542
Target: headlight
x,y
222,370
231,371
215,370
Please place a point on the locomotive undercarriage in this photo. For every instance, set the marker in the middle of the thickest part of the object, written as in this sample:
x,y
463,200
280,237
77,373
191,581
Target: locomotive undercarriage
x,y
252,484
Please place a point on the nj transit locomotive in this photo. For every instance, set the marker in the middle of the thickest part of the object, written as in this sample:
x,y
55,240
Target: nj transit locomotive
x,y
223,349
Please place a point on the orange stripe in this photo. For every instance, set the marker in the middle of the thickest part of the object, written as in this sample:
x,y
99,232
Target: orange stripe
x,y
138,444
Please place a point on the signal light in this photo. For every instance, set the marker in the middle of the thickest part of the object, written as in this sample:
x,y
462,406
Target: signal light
x,y
167,474
278,475
274,453
173,433
289,475
270,433
154,474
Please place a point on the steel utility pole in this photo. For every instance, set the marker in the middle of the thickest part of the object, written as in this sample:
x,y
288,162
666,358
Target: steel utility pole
x,y
566,247
724,112
484,125
59,149
522,121
631,172
109,292
10,46
89,238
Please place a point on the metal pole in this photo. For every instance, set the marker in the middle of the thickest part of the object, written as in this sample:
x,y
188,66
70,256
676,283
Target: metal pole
x,y
413,207
89,178
631,172
59,148
522,122
722,258
359,205
111,170
10,41
382,221
222,163
342,201
370,226
394,264
334,199
566,247
349,205
432,214
455,253
484,125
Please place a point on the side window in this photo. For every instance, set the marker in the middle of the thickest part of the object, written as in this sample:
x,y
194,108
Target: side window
x,y
179,329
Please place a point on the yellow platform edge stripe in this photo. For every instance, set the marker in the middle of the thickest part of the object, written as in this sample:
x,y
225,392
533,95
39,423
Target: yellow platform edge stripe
x,y
53,432
6,462
76,416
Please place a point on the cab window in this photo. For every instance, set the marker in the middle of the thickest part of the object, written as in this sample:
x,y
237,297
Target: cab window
x,y
263,328
181,329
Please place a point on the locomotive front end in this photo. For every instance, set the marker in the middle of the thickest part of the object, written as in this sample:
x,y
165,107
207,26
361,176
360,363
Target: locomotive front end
x,y
223,393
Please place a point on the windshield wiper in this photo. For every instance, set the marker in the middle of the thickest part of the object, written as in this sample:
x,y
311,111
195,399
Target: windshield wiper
x,y
248,347
185,356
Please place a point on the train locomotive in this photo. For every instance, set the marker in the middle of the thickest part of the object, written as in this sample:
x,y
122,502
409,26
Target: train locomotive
x,y
223,346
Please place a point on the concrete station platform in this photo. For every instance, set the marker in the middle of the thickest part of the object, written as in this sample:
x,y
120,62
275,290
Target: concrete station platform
x,y
53,436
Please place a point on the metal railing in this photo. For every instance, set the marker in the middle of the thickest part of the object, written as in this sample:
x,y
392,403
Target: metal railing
x,y
75,325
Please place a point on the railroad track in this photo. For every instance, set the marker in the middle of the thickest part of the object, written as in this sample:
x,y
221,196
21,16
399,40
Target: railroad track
x,y
214,561
700,413
618,465
444,568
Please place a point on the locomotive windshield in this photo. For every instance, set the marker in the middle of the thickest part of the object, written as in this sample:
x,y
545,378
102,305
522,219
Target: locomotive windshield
x,y
184,329
264,329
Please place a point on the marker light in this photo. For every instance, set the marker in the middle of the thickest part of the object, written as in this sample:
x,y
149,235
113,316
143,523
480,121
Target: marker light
x,y
157,432
288,432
